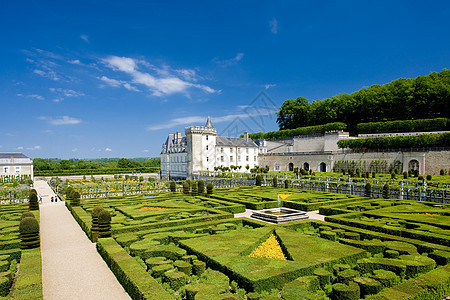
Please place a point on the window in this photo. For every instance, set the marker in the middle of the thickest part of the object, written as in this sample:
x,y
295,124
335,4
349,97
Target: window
x,y
231,150
231,158
17,169
206,137
246,150
239,158
246,158
221,150
254,158
239,150
6,169
206,147
277,168
221,158
207,158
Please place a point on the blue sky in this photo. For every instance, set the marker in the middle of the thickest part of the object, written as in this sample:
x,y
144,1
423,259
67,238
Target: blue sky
x,y
87,79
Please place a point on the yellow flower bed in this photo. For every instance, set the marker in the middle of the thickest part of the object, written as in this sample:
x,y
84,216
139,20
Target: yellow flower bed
x,y
269,249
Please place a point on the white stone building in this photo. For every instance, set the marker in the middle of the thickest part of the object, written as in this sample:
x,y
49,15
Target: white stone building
x,y
15,164
202,150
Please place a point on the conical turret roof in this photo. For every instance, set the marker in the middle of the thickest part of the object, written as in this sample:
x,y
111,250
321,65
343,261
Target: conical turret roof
x,y
209,124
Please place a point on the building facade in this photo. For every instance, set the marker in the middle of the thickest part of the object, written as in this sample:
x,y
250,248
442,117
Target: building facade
x,y
202,150
15,164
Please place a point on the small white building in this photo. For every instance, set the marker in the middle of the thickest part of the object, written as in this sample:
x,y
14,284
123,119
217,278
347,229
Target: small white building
x,y
15,164
202,150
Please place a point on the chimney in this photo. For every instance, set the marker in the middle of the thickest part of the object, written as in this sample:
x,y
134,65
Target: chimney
x,y
246,136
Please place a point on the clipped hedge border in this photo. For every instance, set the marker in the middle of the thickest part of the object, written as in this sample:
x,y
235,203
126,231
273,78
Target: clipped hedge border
x,y
131,275
29,279
437,124
434,285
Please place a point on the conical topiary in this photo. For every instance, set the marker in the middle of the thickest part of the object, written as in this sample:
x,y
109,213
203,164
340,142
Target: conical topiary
x,y
69,191
33,203
29,233
201,187
173,186
209,188
104,224
95,213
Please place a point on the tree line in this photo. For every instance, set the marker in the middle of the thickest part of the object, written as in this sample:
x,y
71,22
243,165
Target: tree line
x,y
78,165
423,97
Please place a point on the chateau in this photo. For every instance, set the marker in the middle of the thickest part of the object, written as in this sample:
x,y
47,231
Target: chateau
x,y
15,164
202,150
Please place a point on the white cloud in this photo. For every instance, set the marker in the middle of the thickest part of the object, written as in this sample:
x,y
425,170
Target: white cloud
x,y
64,120
274,26
74,149
145,151
34,96
19,148
268,86
160,84
74,62
37,147
47,74
231,61
48,131
108,150
84,38
66,92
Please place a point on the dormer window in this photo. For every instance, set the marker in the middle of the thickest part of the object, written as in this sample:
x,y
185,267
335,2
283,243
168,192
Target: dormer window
x,y
206,137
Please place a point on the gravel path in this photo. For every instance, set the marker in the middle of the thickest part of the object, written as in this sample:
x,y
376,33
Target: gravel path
x,y
311,214
71,266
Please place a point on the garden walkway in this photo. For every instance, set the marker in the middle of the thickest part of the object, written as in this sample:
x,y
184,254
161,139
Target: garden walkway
x,y
71,265
311,214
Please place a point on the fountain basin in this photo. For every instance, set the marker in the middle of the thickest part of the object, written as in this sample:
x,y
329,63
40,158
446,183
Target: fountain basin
x,y
279,215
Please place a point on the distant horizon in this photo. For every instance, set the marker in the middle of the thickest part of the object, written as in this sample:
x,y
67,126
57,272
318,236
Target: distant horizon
x,y
112,79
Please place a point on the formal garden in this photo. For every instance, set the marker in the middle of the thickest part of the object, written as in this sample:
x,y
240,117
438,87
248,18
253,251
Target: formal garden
x,y
187,244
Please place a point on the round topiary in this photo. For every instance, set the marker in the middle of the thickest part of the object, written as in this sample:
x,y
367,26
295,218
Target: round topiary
x,y
347,275
343,291
75,198
274,182
209,188
29,233
386,191
324,276
368,286
194,191
104,224
183,266
177,280
386,278
26,214
199,267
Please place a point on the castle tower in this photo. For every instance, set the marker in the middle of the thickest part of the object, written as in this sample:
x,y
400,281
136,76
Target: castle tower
x,y
201,143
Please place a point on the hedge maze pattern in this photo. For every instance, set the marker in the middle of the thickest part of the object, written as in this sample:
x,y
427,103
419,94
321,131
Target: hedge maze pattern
x,y
178,246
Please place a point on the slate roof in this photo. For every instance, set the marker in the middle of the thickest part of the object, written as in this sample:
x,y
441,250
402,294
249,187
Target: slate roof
x,y
234,141
12,154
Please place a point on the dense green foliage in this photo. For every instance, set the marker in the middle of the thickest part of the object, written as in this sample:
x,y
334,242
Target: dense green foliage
x,y
438,124
43,167
280,134
418,98
411,141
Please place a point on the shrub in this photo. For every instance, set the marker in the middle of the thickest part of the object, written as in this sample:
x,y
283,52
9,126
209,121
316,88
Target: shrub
x,y
173,186
393,175
201,187
258,180
198,267
186,187
420,178
347,292
274,135
386,278
26,214
347,275
386,191
374,175
405,175
194,190
104,224
183,266
33,200
428,177
209,188
368,286
75,198
324,276
29,233
274,182
287,182
367,190
69,191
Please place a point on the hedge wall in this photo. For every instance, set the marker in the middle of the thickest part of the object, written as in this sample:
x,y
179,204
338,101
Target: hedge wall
x,y
94,172
438,124
411,141
280,134
29,279
131,275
